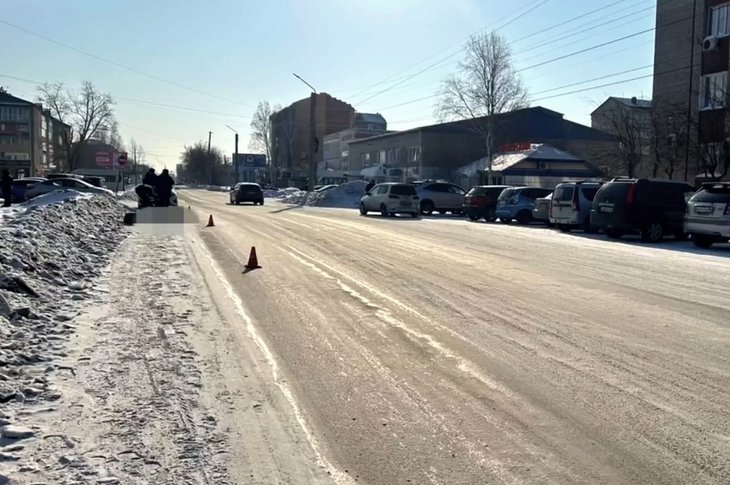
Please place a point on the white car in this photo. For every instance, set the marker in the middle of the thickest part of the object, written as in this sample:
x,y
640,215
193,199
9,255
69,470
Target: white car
x,y
390,199
441,197
52,185
708,215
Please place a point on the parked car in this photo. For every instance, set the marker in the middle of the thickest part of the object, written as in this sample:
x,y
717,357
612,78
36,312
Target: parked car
x,y
324,188
51,185
246,192
571,205
481,202
64,176
517,203
652,208
21,186
541,212
441,197
390,199
708,215
95,181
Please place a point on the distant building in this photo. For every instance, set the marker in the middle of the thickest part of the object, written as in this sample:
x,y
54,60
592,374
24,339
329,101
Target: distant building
x,y
290,136
335,149
31,140
438,151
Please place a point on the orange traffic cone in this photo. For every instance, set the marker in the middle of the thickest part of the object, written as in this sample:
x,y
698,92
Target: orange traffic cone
x,y
210,221
253,261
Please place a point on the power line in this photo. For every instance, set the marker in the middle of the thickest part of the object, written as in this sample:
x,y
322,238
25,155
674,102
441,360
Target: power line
x,y
595,79
440,61
117,64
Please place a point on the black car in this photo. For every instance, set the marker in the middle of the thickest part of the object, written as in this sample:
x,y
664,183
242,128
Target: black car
x,y
652,208
247,192
481,202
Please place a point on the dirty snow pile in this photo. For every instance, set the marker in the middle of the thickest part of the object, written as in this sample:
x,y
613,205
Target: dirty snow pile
x,y
48,253
347,195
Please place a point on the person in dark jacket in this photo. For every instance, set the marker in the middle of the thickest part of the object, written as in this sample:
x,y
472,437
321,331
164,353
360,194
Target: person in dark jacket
x,y
164,188
6,184
146,194
150,178
369,186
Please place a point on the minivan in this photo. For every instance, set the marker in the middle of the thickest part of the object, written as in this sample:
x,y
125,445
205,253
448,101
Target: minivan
x,y
571,205
652,208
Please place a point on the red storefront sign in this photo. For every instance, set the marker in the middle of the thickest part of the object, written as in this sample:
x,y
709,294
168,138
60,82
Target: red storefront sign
x,y
104,159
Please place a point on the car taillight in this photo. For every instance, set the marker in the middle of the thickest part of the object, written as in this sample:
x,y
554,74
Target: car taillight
x,y
631,194
576,201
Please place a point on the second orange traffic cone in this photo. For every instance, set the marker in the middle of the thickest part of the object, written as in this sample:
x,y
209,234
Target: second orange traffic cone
x,y
253,261
210,221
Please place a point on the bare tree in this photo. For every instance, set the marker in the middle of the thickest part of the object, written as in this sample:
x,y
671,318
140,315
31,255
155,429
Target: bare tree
x,y
669,138
631,125
484,86
261,128
86,111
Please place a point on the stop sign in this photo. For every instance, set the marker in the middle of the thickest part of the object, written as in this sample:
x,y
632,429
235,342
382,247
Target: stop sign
x,y
122,159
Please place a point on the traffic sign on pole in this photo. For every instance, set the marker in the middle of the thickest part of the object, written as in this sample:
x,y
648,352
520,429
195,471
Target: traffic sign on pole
x,y
121,159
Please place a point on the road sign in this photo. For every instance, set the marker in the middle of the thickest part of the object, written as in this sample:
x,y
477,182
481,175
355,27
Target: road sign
x,y
120,159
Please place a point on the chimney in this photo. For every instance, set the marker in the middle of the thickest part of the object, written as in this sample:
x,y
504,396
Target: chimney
x,y
634,101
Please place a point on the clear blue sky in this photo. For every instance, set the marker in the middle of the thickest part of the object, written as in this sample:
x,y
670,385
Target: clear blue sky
x,y
234,53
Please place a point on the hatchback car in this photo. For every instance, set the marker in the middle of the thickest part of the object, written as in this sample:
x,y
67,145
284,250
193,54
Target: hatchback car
x,y
441,197
76,184
246,192
481,202
652,208
517,203
708,215
571,205
390,199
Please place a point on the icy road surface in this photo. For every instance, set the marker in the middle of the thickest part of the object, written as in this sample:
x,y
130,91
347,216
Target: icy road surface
x,y
443,351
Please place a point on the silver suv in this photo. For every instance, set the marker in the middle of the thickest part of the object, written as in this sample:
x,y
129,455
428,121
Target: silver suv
x,y
390,199
441,197
571,205
708,215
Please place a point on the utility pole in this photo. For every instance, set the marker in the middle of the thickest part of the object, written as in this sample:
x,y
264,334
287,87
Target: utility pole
x,y
312,134
134,161
210,162
690,94
235,154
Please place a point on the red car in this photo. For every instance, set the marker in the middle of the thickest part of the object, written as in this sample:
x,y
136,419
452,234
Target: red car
x,y
481,202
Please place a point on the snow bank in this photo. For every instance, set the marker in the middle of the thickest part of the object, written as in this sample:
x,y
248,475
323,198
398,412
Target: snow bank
x,y
347,195
48,254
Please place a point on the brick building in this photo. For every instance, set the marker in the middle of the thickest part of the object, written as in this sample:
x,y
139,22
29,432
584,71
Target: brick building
x,y
290,136
31,140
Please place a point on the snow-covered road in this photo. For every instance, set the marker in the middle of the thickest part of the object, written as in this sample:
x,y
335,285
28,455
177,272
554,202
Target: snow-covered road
x,y
442,351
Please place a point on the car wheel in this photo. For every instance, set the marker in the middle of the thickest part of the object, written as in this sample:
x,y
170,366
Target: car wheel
x,y
473,217
414,215
564,228
701,241
363,210
442,212
427,207
504,220
614,234
383,210
524,218
653,233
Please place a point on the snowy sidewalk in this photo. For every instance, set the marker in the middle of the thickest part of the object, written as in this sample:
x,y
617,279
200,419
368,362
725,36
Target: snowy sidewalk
x,y
158,387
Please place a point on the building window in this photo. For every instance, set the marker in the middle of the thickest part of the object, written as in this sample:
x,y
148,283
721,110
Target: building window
x,y
714,91
718,20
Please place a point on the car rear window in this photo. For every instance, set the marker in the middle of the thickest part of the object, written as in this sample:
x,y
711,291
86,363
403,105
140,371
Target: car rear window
x,y
507,193
478,191
403,190
589,192
712,196
612,192
249,187
563,193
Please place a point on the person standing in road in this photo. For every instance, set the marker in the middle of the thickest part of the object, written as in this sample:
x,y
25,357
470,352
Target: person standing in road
x,y
164,188
370,186
6,183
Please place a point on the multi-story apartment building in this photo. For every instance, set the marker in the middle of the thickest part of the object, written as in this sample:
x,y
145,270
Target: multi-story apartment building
x,y
691,61
290,130
31,140
335,153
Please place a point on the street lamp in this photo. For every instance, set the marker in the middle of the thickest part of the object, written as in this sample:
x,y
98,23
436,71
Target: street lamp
x,y
235,155
312,133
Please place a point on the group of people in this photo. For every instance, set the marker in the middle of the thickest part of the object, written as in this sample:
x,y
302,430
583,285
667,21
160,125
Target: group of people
x,y
156,190
6,184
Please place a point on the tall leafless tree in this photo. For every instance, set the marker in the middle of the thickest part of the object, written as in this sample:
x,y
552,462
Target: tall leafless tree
x,y
632,128
261,128
87,111
485,85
